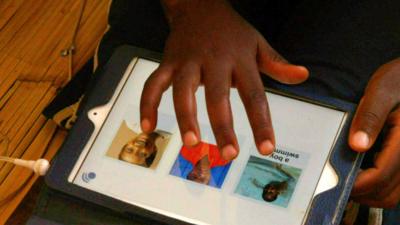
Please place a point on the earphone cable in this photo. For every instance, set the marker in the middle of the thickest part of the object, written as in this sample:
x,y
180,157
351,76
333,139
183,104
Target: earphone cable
x,y
4,200
6,159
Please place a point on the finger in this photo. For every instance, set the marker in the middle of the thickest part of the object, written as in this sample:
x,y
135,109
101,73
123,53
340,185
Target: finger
x,y
272,63
380,191
153,89
389,201
374,184
369,119
251,90
185,83
387,166
217,82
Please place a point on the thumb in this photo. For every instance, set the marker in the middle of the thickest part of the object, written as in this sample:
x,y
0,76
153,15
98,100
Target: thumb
x,y
368,121
273,64
380,98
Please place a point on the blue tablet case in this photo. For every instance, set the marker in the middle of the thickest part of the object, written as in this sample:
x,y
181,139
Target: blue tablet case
x,y
326,208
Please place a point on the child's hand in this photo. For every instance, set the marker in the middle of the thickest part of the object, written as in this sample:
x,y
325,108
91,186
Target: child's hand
x,y
379,186
211,44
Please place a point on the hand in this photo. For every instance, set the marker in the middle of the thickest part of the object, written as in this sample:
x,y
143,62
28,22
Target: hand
x,y
379,186
211,44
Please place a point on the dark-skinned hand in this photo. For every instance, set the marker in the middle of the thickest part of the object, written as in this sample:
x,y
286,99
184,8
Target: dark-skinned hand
x,y
379,186
210,44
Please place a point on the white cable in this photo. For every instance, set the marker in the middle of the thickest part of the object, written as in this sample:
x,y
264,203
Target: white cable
x,y
39,166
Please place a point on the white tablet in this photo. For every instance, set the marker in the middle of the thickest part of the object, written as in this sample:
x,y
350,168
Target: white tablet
x,y
155,172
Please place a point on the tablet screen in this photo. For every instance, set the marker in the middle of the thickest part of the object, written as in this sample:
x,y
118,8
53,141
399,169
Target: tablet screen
x,y
156,172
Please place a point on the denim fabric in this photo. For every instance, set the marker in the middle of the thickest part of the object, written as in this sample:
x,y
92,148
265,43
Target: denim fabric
x,y
391,216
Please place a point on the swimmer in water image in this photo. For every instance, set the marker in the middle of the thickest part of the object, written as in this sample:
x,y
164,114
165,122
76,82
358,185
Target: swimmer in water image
x,y
273,189
268,181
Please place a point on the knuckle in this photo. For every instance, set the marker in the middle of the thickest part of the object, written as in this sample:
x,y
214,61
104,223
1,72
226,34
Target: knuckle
x,y
156,77
149,82
216,95
223,131
222,128
262,129
186,73
388,98
179,93
275,57
148,102
371,119
262,133
180,108
185,120
183,111
256,98
149,90
180,77
179,84
213,52
157,74
146,105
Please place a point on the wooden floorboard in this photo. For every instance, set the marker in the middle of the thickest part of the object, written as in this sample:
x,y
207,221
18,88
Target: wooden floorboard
x,y
32,35
34,32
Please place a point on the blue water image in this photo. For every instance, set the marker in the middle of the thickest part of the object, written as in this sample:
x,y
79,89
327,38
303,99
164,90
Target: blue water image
x,y
260,172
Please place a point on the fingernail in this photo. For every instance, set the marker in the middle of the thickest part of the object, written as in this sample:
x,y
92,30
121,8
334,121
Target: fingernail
x,y
229,152
361,139
190,139
266,147
145,124
302,67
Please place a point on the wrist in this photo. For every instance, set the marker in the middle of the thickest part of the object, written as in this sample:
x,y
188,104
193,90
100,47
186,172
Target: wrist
x,y
176,9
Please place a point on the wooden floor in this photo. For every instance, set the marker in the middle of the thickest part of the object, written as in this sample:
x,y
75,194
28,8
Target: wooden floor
x,y
34,32
32,35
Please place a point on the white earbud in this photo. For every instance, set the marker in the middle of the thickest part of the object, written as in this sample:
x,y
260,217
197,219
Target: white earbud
x,y
39,166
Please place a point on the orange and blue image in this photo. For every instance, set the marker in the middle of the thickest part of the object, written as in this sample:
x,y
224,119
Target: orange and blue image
x,y
202,163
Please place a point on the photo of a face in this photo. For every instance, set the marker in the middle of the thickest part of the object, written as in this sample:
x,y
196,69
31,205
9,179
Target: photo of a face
x,y
201,164
268,181
138,148
141,150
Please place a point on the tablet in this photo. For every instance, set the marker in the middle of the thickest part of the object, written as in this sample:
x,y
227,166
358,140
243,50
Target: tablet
x,y
108,160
